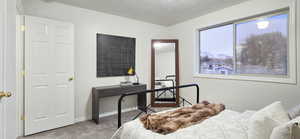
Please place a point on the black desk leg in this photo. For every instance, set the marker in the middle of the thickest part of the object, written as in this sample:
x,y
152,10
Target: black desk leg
x,y
95,107
142,100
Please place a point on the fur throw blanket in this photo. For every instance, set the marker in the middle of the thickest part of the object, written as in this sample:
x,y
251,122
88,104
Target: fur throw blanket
x,y
168,122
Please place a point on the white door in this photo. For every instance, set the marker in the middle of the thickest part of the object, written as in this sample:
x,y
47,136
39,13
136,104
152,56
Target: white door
x,y
49,94
8,107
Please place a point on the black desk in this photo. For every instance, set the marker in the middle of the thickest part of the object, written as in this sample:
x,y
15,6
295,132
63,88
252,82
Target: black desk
x,y
116,90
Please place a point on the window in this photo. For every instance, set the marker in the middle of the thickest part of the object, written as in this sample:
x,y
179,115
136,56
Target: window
x,y
217,50
257,46
261,46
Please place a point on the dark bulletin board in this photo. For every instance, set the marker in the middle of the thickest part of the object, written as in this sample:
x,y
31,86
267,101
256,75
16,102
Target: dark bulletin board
x,y
115,55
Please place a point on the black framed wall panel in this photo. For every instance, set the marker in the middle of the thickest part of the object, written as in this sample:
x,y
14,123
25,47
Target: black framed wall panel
x,y
115,55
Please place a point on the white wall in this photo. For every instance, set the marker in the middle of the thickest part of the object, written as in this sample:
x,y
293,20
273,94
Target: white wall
x,y
87,24
236,94
10,69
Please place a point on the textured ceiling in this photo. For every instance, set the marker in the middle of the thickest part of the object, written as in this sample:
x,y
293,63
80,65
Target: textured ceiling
x,y
162,12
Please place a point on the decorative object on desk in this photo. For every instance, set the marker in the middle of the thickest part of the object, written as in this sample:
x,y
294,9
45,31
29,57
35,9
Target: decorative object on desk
x,y
126,83
131,72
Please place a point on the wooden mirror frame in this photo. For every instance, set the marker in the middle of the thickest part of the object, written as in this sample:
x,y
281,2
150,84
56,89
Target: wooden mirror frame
x,y
153,104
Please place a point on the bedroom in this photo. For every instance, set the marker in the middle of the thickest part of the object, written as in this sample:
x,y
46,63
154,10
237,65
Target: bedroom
x,y
182,21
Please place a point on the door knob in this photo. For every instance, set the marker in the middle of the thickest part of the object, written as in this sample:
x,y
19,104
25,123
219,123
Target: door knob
x,y
71,79
5,94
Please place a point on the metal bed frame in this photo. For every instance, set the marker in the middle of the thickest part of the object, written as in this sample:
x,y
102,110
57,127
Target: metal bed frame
x,y
147,108
171,90
151,91
169,76
164,91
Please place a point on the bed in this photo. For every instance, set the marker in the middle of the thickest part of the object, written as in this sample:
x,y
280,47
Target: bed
x,y
226,125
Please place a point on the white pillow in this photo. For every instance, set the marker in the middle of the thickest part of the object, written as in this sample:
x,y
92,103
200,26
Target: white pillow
x,y
261,128
274,111
284,131
263,121
294,112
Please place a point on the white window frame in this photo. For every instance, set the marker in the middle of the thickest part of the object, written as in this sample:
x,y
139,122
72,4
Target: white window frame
x,y
290,78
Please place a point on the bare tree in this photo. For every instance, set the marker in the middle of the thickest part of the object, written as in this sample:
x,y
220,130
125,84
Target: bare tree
x,y
268,50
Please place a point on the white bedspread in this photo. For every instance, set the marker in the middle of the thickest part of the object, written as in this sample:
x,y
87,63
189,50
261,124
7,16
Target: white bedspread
x,y
227,125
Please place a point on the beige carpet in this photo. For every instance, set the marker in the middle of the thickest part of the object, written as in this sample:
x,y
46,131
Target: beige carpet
x,y
85,130
88,129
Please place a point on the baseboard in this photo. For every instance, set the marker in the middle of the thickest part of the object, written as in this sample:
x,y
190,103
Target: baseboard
x,y
81,119
116,112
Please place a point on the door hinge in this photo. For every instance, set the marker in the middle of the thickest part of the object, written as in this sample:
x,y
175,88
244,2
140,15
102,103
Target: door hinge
x,y
23,118
23,28
23,73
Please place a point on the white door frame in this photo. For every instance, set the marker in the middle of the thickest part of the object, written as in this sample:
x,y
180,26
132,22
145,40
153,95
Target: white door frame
x,y
8,117
20,72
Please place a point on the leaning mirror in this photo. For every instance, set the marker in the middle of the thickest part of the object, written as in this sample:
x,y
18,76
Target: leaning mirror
x,y
164,73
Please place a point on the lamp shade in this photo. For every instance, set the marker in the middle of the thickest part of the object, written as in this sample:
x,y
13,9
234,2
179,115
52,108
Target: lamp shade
x,y
130,71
